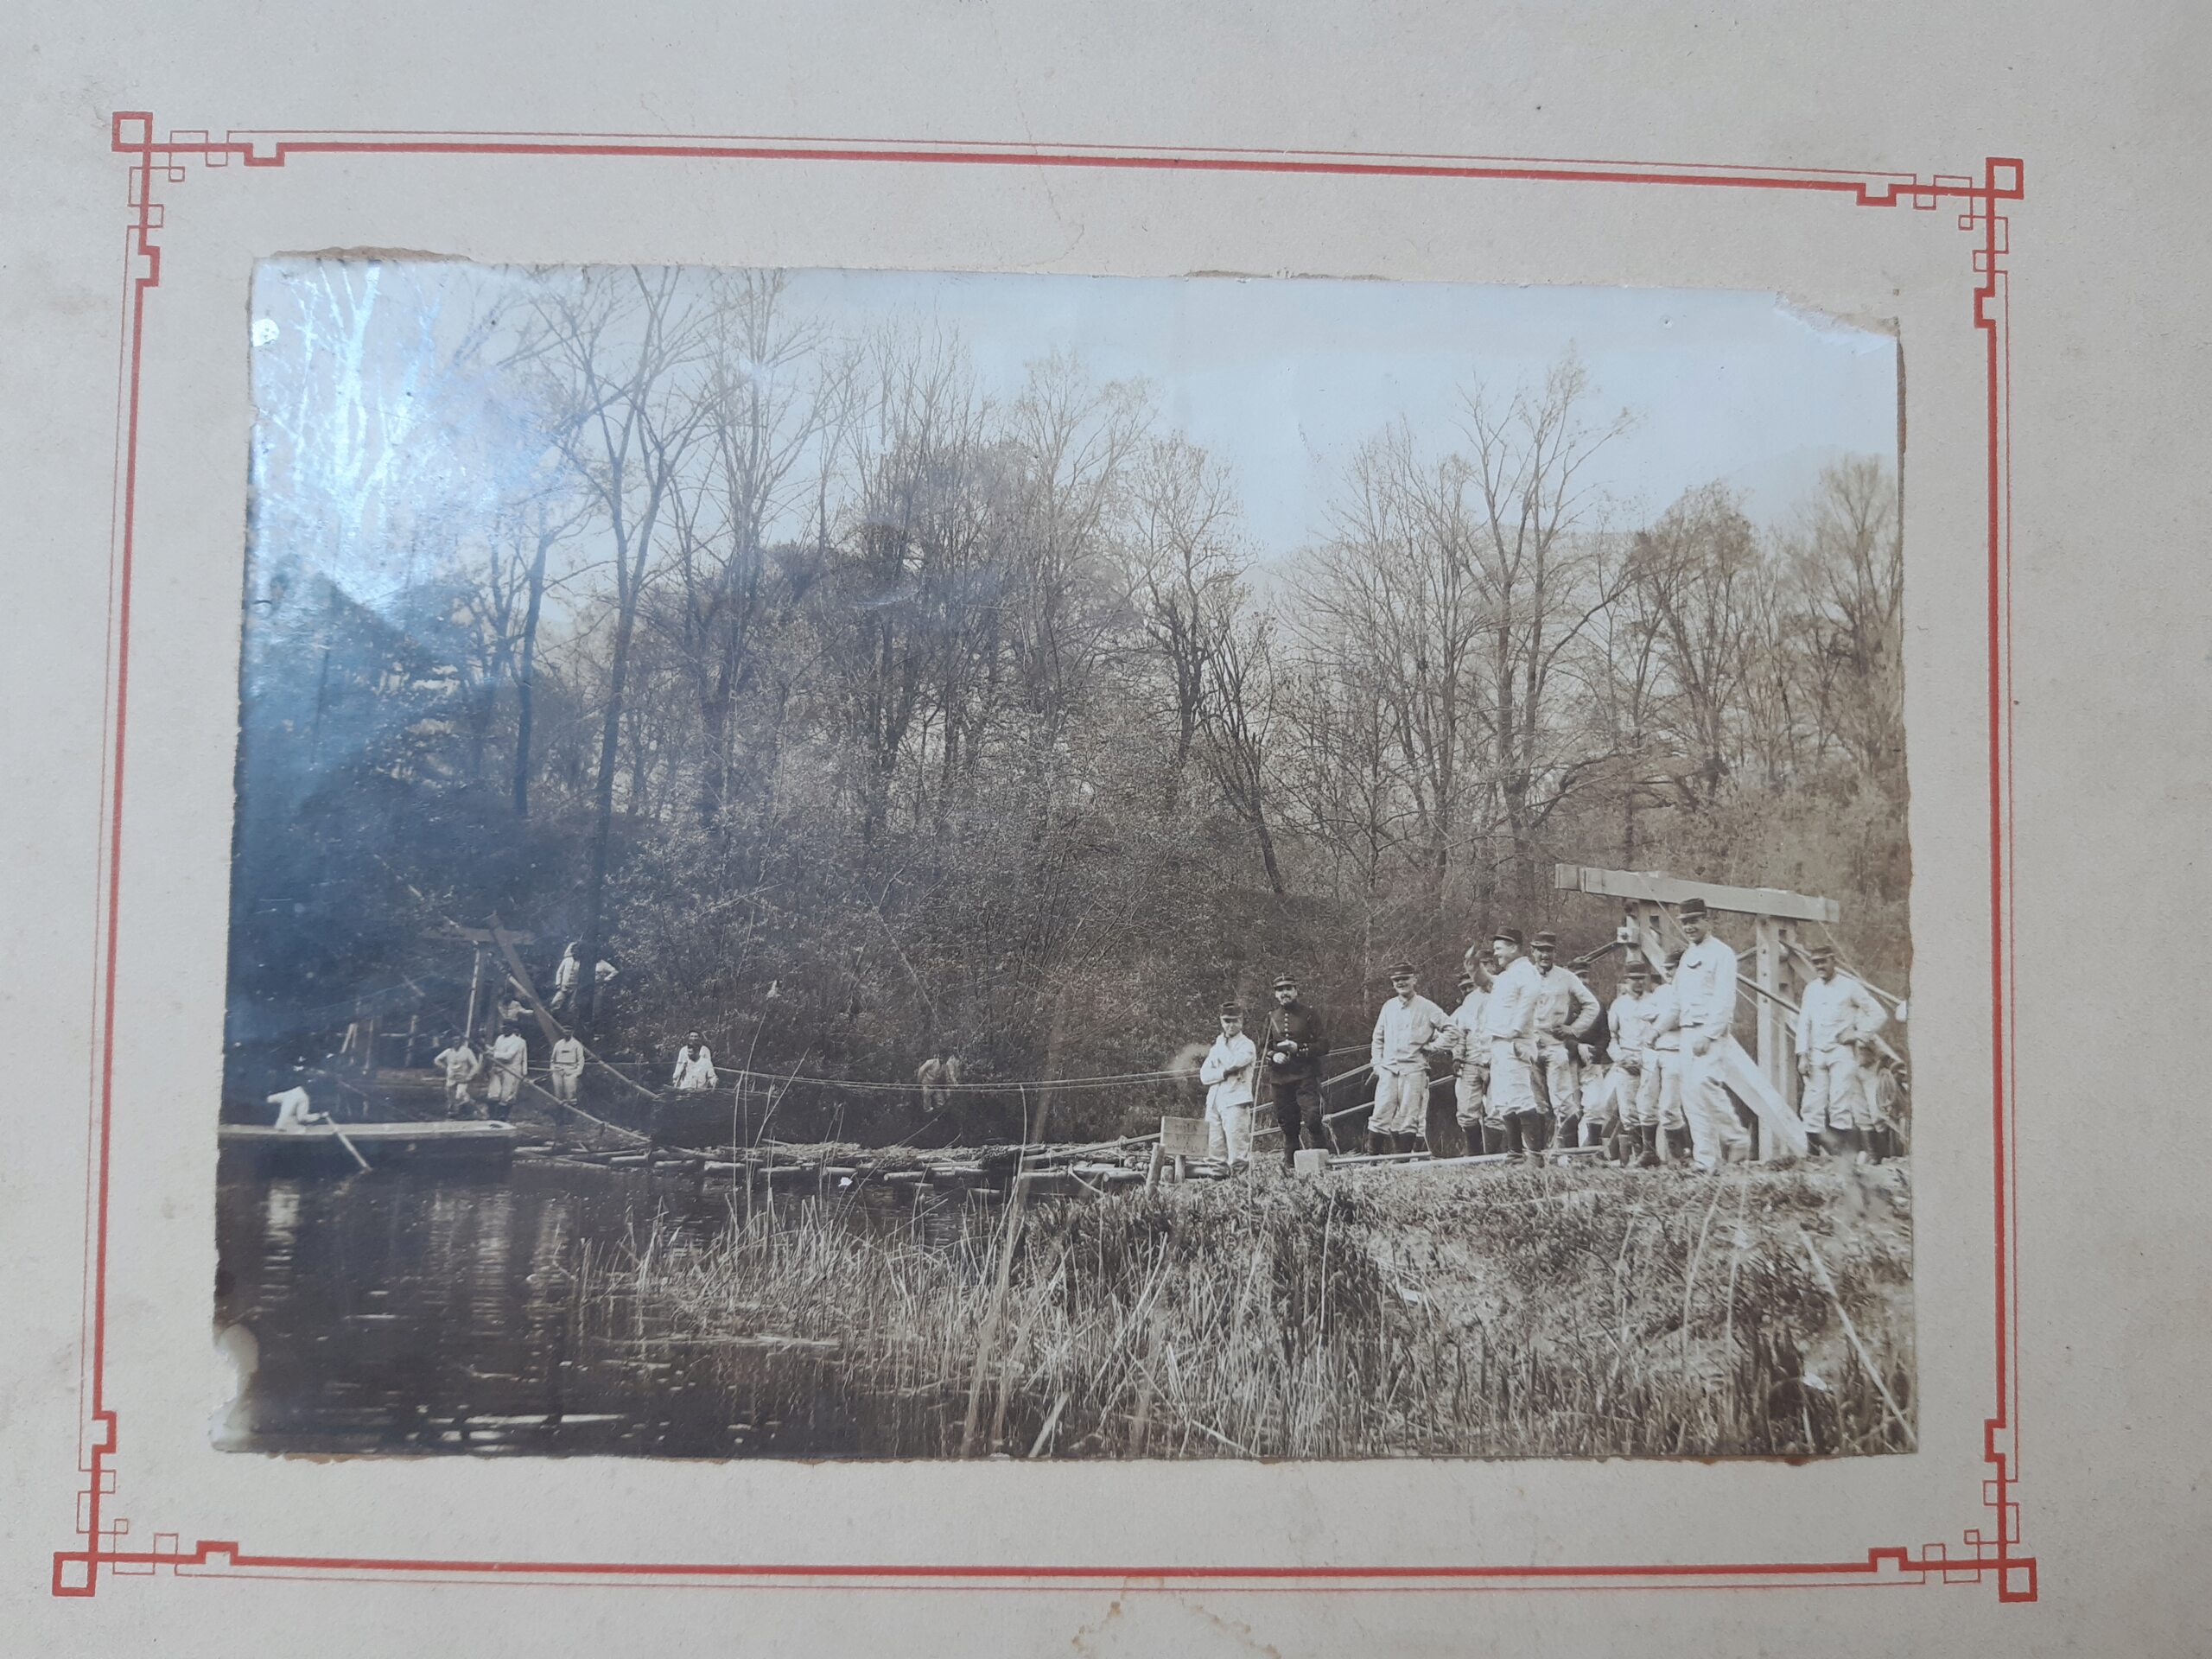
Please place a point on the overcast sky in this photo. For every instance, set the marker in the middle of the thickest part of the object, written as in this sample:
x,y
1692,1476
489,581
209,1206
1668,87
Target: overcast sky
x,y
1284,377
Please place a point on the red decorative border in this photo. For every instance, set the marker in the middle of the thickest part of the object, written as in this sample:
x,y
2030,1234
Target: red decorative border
x,y
1987,1551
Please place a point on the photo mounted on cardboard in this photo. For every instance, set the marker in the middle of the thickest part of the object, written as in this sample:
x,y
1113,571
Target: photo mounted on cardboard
x,y
900,864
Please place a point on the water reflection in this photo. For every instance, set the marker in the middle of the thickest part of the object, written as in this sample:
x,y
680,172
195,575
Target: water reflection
x,y
412,1312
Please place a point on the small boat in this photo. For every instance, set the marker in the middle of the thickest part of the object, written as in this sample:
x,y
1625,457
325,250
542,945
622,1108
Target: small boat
x,y
318,1144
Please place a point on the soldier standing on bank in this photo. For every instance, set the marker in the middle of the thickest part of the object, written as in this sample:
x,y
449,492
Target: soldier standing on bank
x,y
1295,1049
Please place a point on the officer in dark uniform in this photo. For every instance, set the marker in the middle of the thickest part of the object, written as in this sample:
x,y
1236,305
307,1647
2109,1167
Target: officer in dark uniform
x,y
1294,1050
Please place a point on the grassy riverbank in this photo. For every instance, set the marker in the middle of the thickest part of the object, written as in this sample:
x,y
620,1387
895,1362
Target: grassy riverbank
x,y
1575,1313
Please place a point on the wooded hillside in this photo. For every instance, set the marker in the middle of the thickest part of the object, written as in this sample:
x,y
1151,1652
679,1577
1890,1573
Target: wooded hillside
x,y
849,709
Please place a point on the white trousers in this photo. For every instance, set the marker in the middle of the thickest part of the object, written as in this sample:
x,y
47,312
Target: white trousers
x,y
1716,1134
1838,1095
1562,1076
1512,1083
1659,1090
1613,1093
1468,1087
1228,1132
1401,1101
565,1082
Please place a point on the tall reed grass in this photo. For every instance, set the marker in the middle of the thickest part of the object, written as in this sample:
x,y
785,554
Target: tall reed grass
x,y
1523,1313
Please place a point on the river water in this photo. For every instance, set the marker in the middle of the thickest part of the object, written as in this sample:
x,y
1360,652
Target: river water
x,y
422,1312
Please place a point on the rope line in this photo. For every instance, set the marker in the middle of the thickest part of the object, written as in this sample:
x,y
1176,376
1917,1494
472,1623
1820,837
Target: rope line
x,y
1109,1080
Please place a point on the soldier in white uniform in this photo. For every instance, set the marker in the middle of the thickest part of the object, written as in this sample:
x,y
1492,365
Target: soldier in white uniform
x,y
459,1062
1228,1071
1565,1011
509,1062
1659,1098
694,1066
1408,1024
293,1105
1470,1045
1629,1029
568,970
1704,987
1510,1014
1835,1029
566,1064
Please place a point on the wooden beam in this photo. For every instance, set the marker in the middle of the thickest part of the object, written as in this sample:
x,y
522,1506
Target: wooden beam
x,y
481,935
1783,1131
1660,888
546,1025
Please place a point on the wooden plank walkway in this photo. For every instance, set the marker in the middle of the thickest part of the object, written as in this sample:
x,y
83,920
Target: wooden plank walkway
x,y
485,1134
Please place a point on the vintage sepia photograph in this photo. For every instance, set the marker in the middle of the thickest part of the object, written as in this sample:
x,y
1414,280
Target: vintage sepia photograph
x,y
906,865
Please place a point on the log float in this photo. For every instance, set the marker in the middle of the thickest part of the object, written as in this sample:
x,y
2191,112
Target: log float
x,y
465,1140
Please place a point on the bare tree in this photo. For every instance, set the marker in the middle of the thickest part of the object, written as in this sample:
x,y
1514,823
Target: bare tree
x,y
1531,457
1068,443
621,345
1783,678
549,518
777,389
1697,569
1239,717
1400,582
909,568
1625,685
1183,557
1850,552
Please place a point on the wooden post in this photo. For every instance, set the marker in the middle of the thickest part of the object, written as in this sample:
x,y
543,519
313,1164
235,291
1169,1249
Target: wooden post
x,y
1183,1139
1772,1040
1777,916
475,989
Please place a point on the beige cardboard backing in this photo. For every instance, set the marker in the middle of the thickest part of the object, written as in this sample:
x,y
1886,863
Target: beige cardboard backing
x,y
2107,725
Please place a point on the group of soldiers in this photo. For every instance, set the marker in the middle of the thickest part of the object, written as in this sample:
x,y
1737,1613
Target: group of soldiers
x,y
1537,1062
502,1069
506,1066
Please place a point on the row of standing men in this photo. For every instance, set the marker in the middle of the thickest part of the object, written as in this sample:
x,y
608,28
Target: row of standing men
x,y
1537,1062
